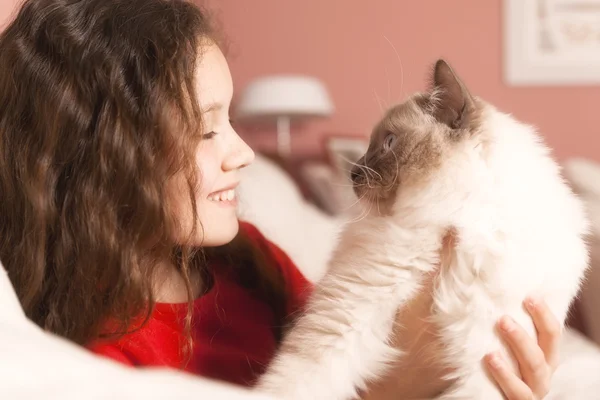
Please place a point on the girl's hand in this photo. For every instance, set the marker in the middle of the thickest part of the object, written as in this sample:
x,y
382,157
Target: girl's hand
x,y
537,360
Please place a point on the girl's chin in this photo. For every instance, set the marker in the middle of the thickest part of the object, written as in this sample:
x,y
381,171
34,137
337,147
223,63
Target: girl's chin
x,y
219,232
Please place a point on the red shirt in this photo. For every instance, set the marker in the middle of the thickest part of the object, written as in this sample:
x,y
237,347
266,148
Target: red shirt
x,y
231,329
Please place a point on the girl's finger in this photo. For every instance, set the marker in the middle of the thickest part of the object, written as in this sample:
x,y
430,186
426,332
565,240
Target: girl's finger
x,y
548,328
532,361
513,387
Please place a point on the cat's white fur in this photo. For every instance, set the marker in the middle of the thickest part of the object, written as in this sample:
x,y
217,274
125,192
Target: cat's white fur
x,y
521,231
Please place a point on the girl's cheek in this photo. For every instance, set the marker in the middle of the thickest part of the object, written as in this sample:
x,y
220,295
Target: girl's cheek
x,y
207,173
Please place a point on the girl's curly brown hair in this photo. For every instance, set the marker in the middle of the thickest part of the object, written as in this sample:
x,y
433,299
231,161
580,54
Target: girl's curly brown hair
x,y
97,113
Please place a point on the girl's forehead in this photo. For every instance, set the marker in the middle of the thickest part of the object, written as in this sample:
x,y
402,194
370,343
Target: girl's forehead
x,y
213,79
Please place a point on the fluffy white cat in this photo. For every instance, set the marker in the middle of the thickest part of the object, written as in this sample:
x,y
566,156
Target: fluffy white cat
x,y
441,161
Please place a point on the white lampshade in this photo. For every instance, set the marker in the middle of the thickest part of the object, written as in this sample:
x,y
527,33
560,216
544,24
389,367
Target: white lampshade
x,y
284,97
291,96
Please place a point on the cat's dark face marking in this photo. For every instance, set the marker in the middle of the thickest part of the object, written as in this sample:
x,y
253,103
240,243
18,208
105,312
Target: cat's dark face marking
x,y
410,142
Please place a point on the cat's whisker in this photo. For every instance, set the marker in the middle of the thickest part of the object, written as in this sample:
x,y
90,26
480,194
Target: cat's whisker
x,y
365,167
360,215
366,171
399,62
389,90
368,212
373,171
363,212
358,199
356,219
349,161
376,176
362,166
367,184
344,184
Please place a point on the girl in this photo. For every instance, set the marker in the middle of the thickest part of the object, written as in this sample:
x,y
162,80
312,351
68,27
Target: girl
x,y
118,170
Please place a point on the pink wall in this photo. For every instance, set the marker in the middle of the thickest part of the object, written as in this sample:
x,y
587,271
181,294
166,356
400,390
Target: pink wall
x,y
344,43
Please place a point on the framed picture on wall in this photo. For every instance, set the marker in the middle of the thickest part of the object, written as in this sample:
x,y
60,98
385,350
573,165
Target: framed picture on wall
x,y
552,42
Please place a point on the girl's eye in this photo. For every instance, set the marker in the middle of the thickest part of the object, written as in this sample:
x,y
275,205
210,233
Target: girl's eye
x,y
209,135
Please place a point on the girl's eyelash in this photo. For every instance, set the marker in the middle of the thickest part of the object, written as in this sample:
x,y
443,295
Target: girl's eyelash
x,y
212,134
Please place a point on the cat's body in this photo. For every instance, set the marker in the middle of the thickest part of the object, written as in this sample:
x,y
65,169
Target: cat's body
x,y
440,162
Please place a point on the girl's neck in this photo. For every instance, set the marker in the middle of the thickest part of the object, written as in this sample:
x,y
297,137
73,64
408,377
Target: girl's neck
x,y
170,287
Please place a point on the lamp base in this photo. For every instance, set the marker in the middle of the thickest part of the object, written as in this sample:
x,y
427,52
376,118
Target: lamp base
x,y
284,140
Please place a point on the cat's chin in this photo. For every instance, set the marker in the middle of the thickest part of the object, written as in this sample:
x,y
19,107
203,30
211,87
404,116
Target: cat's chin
x,y
376,206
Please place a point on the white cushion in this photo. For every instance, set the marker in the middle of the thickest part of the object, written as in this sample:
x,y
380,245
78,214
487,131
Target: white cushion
x,y
584,176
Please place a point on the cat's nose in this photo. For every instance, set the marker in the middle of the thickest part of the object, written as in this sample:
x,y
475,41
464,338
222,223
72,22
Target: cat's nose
x,y
355,173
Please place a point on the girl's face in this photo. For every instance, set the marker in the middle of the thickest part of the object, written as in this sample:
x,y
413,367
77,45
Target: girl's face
x,y
220,156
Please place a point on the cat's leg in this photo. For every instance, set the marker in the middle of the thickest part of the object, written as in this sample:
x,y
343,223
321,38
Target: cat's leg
x,y
333,349
342,340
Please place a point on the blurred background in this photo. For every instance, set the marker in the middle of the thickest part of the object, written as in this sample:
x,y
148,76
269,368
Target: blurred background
x,y
371,55
385,49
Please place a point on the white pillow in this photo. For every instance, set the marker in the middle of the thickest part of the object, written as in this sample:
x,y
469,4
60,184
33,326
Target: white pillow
x,y
584,176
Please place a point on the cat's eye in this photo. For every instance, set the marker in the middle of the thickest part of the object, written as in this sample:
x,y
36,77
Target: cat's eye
x,y
389,142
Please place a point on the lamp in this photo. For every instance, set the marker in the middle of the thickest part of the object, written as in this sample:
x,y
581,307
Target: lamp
x,y
284,98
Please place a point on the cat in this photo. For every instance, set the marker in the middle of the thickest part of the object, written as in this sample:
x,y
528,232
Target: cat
x,y
442,161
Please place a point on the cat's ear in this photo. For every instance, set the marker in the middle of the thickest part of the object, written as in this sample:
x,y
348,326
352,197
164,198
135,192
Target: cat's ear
x,y
454,105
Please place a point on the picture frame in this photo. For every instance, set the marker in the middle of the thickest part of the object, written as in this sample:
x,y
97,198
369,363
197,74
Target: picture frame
x,y
551,42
